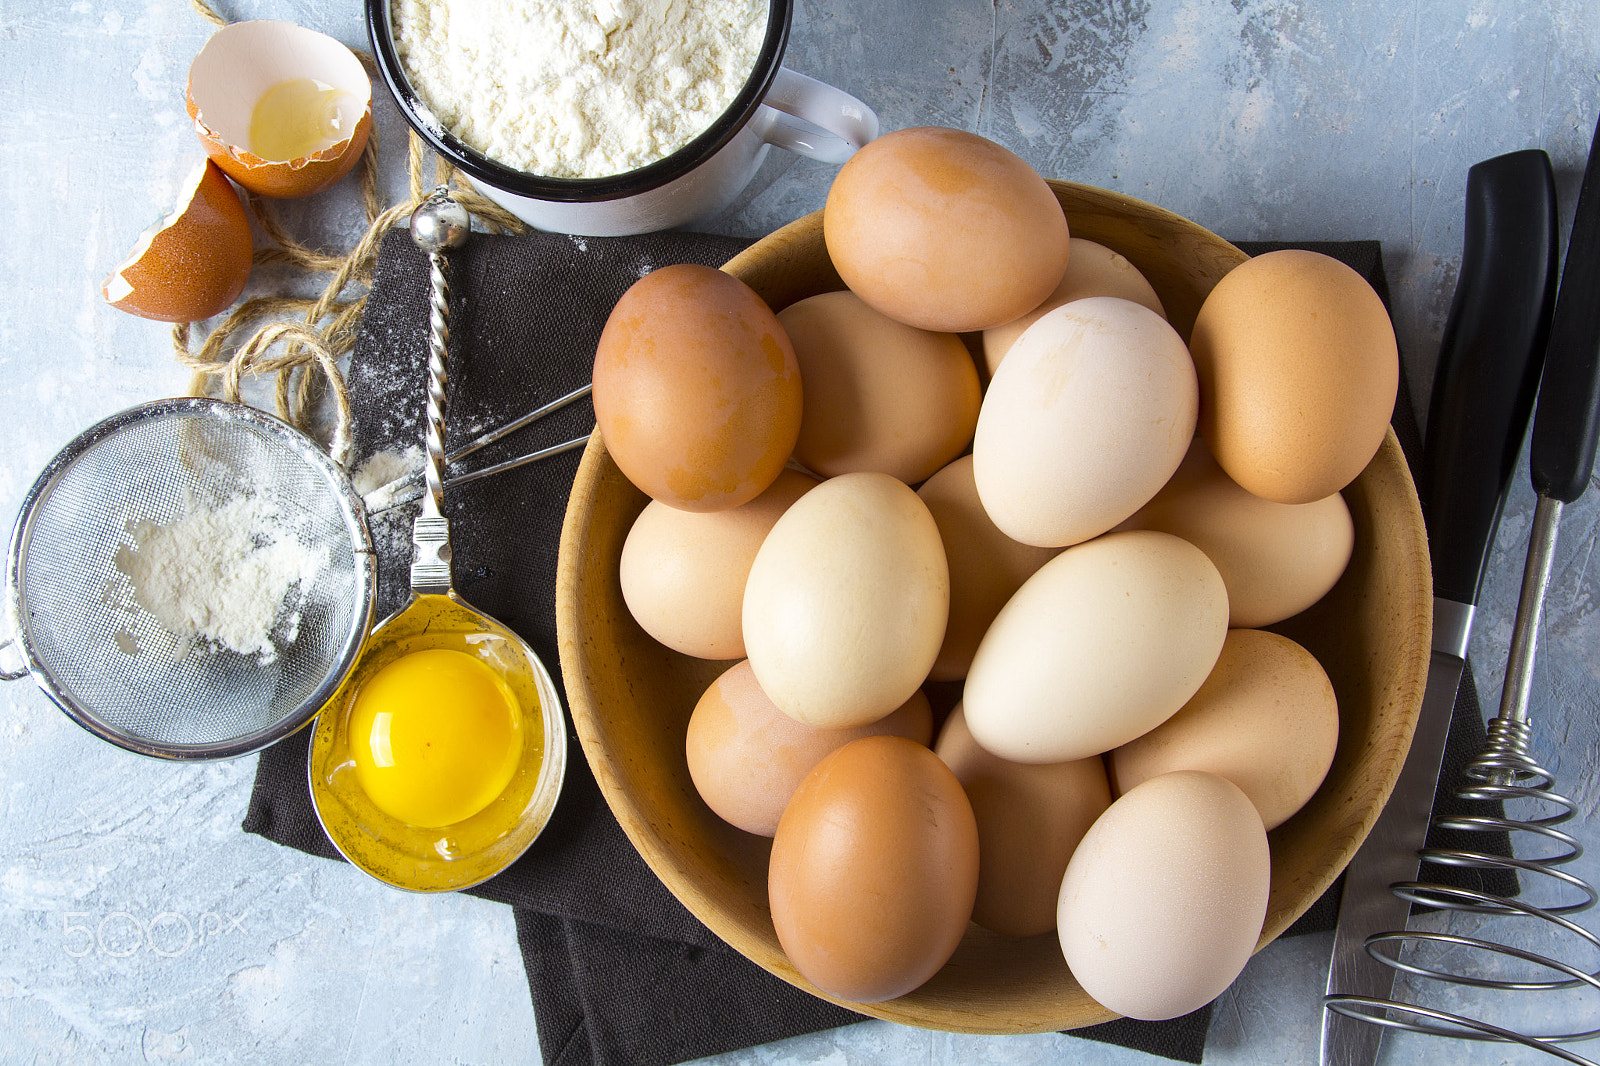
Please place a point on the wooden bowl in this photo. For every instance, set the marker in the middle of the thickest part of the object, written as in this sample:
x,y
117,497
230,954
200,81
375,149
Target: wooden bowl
x,y
631,697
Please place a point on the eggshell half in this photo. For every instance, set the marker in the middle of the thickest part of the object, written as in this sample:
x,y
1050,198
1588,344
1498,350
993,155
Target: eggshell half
x,y
1277,559
1030,819
1266,719
1092,270
683,573
846,602
1087,418
879,394
195,262
237,66
944,230
696,389
874,870
1298,374
1163,902
746,757
1104,643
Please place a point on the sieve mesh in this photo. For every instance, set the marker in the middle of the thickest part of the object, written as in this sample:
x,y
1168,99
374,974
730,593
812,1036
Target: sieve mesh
x,y
107,660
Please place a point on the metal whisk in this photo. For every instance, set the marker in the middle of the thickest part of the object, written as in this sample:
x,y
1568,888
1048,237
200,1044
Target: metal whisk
x,y
1565,434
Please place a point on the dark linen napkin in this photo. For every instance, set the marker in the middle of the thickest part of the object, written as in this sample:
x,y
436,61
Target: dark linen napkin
x,y
621,974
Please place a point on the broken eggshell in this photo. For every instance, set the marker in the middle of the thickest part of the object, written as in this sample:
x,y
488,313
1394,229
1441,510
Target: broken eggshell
x,y
244,61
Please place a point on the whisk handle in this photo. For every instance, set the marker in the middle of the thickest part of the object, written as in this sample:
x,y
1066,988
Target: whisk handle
x,y
1566,428
1488,368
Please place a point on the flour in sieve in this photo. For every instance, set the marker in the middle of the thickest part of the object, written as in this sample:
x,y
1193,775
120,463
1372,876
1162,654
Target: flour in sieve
x,y
578,90
222,575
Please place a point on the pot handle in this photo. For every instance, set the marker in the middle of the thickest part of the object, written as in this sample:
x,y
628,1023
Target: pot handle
x,y
814,119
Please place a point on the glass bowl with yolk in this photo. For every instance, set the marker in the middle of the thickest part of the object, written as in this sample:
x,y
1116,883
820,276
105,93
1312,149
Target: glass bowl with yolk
x,y
441,758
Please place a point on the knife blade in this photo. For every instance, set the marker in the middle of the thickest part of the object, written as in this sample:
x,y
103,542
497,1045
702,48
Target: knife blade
x,y
1484,384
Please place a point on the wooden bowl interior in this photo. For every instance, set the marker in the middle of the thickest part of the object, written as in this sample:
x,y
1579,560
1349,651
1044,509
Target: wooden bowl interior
x,y
631,697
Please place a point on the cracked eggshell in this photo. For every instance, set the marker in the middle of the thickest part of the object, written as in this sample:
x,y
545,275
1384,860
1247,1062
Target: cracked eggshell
x,y
195,262
237,66
1089,415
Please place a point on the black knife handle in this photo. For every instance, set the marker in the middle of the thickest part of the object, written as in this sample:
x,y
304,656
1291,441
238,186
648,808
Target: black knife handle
x,y
1489,361
1565,430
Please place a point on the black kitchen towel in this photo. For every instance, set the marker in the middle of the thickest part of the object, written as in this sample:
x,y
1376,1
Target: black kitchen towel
x,y
621,974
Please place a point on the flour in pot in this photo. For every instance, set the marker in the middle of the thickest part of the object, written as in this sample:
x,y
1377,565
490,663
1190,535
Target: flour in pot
x,y
578,90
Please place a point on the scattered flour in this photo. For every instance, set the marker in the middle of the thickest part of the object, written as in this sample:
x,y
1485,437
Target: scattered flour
x,y
222,575
578,90
384,467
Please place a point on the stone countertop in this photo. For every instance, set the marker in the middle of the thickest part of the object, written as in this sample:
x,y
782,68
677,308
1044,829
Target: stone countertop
x,y
138,923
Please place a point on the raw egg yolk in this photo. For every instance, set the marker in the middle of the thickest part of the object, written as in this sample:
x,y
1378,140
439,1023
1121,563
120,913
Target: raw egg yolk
x,y
300,117
436,735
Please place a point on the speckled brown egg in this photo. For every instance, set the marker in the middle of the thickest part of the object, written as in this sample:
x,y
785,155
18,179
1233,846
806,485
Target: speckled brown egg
x,y
746,757
944,230
1030,819
1092,270
1266,719
696,389
879,394
986,566
683,573
874,870
1298,373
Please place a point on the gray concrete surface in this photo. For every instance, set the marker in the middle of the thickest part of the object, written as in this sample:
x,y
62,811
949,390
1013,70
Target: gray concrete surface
x,y
138,924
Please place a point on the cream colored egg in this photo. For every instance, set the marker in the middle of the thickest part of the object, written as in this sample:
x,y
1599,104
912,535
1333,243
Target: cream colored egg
x,y
1086,419
1092,270
1277,559
1030,819
746,757
878,394
683,572
845,606
1163,902
1104,643
1299,370
986,566
1266,719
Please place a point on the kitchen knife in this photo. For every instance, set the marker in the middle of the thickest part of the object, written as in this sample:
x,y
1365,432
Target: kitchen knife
x,y
1484,384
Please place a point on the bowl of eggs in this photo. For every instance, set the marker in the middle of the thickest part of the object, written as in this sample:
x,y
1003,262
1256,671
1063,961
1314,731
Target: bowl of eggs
x,y
994,604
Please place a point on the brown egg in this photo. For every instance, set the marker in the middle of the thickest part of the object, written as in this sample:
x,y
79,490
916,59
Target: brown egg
x,y
874,870
284,110
1266,719
944,230
195,262
1298,373
1030,819
986,566
683,573
696,389
1276,559
1092,270
879,395
746,757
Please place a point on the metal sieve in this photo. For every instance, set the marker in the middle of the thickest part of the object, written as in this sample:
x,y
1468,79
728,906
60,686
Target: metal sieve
x,y
79,630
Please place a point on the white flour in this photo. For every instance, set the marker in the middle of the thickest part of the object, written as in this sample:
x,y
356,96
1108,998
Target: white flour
x,y
222,575
578,90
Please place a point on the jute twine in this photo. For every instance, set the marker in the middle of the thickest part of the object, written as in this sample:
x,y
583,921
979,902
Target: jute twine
x,y
302,340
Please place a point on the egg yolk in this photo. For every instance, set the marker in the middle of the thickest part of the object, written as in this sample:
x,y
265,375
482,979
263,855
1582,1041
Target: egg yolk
x,y
300,117
435,735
